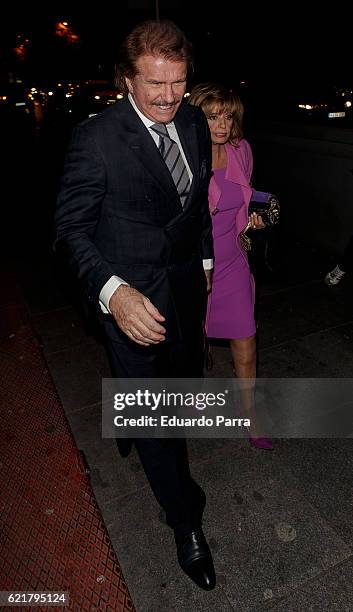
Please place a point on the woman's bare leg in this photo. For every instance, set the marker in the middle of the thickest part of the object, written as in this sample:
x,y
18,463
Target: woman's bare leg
x,y
244,362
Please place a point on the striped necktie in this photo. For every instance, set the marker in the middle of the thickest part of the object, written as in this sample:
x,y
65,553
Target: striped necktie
x,y
172,156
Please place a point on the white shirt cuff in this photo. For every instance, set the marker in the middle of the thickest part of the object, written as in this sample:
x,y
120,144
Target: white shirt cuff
x,y
107,291
207,264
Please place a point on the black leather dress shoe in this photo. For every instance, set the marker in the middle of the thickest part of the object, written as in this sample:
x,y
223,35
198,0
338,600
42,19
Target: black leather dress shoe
x,y
195,559
124,446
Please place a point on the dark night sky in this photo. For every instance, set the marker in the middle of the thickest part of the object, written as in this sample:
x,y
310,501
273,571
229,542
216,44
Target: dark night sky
x,y
304,48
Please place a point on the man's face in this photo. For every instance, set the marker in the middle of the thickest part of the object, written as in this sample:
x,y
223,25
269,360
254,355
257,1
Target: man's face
x,y
158,87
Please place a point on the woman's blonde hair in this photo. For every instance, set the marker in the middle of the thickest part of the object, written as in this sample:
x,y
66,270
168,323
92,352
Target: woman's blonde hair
x,y
215,98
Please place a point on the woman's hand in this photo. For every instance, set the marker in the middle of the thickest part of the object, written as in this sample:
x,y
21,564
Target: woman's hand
x,y
208,274
256,221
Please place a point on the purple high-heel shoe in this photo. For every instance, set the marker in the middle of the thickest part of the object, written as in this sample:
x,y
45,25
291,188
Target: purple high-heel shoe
x,y
263,443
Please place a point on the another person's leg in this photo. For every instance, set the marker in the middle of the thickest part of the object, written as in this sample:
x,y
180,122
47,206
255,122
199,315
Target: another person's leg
x,y
346,261
244,357
344,265
244,361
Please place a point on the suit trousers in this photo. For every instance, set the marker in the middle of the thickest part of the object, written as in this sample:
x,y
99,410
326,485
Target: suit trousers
x,y
165,461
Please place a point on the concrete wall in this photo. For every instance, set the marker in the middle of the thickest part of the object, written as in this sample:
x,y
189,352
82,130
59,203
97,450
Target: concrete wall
x,y
310,168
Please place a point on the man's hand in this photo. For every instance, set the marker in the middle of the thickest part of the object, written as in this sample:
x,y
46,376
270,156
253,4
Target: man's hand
x,y
208,274
136,316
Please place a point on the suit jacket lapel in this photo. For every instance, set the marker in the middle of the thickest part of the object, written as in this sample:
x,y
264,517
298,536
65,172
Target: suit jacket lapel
x,y
141,143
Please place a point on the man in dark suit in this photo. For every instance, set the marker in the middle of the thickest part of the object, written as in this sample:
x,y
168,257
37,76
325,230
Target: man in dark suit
x,y
133,221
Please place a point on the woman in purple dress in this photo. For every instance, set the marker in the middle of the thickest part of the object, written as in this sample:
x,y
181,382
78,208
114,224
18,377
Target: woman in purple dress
x,y
230,312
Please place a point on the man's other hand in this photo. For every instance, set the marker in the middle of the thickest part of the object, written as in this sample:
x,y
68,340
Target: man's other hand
x,y
136,316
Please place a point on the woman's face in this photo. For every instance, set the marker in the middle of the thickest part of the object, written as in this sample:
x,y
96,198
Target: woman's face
x,y
220,124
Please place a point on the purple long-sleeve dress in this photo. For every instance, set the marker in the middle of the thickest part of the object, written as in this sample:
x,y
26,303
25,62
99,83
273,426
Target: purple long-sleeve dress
x,y
230,312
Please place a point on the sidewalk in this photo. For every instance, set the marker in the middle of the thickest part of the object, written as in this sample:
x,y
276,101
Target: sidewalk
x,y
279,523
53,538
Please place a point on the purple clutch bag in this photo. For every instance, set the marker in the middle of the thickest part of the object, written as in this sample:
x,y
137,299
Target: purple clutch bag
x,y
266,205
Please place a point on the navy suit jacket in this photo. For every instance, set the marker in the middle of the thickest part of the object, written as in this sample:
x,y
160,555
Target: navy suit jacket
x,y
119,213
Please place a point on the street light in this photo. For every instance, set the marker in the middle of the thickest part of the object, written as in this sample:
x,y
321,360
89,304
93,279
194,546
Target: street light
x,y
64,30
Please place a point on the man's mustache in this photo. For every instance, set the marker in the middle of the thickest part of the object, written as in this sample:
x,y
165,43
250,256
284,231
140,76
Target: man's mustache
x,y
168,104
